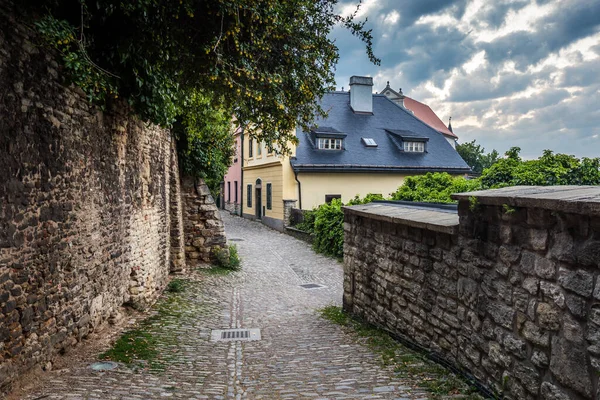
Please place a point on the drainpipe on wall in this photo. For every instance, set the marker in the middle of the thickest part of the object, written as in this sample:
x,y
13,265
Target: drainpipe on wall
x,y
299,186
242,173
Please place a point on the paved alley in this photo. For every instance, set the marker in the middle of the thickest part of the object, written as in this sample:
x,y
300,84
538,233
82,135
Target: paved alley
x,y
301,355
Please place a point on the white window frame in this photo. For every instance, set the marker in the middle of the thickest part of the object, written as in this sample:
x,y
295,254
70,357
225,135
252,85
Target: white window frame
x,y
329,144
414,147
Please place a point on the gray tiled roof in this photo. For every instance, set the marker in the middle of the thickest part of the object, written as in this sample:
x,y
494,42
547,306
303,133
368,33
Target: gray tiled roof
x,y
386,125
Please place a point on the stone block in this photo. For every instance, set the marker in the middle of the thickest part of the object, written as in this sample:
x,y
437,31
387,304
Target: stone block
x,y
534,334
553,292
576,305
549,391
531,285
548,316
579,281
498,356
527,263
540,359
501,314
540,218
572,330
528,376
515,346
538,239
588,255
545,268
567,367
467,291
509,254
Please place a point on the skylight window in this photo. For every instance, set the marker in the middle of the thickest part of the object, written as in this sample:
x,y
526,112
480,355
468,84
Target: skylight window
x,y
369,142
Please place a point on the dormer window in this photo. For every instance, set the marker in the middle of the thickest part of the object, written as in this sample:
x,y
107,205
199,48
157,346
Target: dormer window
x,y
408,141
329,144
414,147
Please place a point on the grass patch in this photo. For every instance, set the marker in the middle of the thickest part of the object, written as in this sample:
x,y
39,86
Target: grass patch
x,y
151,344
407,363
176,286
134,345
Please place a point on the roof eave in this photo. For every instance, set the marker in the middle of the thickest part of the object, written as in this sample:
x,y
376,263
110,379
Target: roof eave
x,y
375,168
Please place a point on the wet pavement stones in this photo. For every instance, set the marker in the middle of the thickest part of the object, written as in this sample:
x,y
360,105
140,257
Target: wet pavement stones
x,y
300,356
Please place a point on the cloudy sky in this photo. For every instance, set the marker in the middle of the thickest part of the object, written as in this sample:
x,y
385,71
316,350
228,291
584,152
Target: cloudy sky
x,y
509,72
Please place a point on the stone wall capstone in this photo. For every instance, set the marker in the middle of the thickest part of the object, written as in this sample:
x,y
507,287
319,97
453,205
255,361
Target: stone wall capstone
x,y
510,294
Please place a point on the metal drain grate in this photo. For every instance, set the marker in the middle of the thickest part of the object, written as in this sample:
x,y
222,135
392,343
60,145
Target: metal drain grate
x,y
311,286
236,240
228,335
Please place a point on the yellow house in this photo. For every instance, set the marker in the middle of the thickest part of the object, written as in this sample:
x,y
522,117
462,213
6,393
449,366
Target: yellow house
x,y
366,144
268,184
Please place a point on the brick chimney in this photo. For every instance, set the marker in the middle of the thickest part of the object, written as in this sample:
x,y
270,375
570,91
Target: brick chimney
x,y
361,94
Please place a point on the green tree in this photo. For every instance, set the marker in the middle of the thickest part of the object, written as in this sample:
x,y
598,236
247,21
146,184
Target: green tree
x,y
204,139
475,156
265,60
549,169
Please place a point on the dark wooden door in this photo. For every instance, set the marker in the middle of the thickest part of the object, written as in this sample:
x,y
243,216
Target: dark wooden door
x,y
258,204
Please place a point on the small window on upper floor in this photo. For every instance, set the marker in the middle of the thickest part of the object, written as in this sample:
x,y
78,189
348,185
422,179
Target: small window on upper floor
x,y
250,148
414,147
259,146
329,144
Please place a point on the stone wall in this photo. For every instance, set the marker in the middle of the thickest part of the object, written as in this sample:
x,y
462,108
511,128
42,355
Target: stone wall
x,y
85,199
176,215
288,210
204,231
233,208
510,294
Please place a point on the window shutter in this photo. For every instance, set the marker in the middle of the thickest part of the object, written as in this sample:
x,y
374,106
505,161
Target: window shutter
x,y
269,194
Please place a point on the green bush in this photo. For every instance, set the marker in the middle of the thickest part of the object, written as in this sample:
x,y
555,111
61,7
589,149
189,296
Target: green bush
x,y
326,224
328,230
308,221
434,187
227,258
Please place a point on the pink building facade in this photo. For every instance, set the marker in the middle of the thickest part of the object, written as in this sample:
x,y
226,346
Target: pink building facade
x,y
231,189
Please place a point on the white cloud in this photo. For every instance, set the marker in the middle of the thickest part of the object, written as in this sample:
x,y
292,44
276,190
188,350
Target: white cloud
x,y
478,60
391,18
509,73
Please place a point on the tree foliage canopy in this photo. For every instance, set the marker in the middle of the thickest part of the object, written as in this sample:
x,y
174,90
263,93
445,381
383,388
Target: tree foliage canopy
x,y
204,139
474,155
548,170
434,187
266,60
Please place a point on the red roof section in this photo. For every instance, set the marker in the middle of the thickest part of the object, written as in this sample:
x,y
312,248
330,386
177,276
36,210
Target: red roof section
x,y
426,114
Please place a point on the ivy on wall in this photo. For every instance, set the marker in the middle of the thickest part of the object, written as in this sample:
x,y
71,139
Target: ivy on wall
x,y
266,61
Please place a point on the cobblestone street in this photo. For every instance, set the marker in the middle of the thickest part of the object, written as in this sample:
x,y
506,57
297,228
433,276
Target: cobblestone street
x,y
301,355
